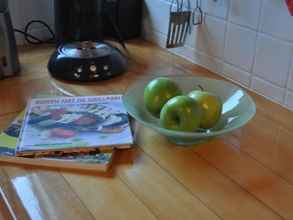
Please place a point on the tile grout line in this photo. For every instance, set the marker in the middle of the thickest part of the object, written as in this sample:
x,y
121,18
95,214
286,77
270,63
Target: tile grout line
x,y
252,73
289,78
223,61
257,29
233,80
249,28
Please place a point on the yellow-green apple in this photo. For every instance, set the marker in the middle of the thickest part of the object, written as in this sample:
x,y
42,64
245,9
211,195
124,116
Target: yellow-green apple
x,y
211,105
158,92
181,113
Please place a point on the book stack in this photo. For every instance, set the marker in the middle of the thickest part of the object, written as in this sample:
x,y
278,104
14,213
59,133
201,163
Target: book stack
x,y
77,133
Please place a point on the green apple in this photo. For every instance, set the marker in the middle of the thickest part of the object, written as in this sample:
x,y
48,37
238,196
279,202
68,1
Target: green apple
x,y
158,92
181,113
211,105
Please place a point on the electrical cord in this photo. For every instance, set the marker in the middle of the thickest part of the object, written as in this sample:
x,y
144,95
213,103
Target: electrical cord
x,y
31,39
113,23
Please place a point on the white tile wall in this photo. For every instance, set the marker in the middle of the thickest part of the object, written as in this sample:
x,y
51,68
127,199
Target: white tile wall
x,y
24,11
209,37
236,74
240,46
290,83
272,60
276,20
267,89
16,13
245,13
248,41
157,15
209,62
217,8
37,10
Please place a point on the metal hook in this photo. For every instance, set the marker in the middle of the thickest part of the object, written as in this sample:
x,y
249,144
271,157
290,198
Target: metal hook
x,y
181,5
199,10
172,4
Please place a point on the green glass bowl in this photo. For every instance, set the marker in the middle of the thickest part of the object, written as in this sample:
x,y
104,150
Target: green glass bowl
x,y
238,108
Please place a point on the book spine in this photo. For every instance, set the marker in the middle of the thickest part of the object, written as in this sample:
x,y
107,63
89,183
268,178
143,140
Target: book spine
x,y
59,153
19,139
57,164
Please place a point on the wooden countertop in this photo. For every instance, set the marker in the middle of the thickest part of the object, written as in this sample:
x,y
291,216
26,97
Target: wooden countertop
x,y
247,174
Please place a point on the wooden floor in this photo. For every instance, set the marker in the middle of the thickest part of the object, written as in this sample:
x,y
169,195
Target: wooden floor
x,y
247,174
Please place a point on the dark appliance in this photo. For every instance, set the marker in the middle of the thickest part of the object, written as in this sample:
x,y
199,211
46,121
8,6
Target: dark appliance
x,y
80,20
9,63
126,15
81,26
86,61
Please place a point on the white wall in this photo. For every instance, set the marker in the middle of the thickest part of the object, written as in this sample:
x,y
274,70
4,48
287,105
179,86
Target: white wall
x,y
248,41
22,11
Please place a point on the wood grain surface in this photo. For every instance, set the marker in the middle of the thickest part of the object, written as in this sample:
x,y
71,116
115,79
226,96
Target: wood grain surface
x,y
247,174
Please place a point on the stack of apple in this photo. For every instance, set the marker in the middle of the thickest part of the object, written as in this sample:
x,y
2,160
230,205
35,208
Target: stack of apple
x,y
199,109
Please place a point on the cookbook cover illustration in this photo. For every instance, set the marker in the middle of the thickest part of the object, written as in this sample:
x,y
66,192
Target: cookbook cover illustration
x,y
8,142
74,122
9,137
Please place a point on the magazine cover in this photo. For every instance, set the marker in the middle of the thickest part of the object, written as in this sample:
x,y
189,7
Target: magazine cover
x,y
74,124
94,160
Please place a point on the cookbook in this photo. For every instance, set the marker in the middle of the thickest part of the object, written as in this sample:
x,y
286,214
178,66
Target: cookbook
x,y
74,124
96,160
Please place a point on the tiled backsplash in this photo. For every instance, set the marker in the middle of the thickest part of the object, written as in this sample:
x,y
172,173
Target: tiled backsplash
x,y
23,11
248,41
